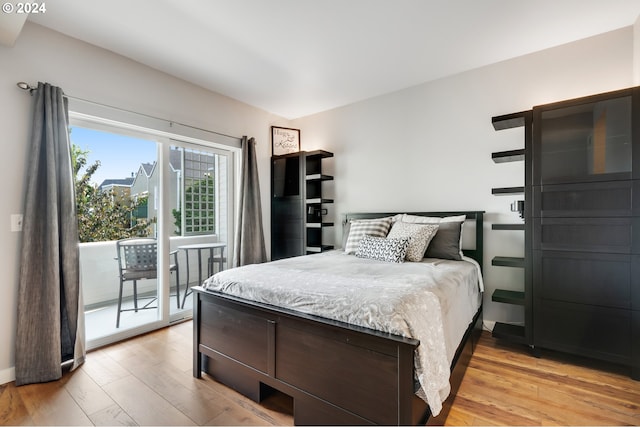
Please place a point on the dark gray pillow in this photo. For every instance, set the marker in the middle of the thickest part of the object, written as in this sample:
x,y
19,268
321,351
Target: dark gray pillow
x,y
446,242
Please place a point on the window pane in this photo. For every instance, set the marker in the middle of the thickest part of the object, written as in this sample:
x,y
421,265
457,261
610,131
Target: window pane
x,y
116,188
114,191
199,183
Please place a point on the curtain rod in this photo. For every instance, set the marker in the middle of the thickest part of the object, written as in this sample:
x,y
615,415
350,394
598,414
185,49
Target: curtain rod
x,y
27,87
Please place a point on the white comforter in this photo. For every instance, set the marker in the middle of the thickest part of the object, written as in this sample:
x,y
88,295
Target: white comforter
x,y
433,301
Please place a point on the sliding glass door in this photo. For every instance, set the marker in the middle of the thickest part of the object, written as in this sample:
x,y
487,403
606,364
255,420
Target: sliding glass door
x,y
200,206
155,216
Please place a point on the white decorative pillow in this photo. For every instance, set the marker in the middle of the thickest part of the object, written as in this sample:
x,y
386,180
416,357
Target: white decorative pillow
x,y
420,235
417,219
382,249
358,228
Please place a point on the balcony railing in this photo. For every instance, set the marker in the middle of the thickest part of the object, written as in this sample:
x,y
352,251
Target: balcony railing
x,y
100,281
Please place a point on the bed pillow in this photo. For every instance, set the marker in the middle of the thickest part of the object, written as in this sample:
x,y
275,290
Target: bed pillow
x,y
417,219
358,228
345,233
447,243
420,235
383,249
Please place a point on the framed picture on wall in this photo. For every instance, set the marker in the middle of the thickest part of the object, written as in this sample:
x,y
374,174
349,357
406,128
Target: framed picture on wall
x,y
284,140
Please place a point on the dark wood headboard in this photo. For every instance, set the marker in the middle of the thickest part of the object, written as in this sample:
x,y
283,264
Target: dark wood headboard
x,y
475,253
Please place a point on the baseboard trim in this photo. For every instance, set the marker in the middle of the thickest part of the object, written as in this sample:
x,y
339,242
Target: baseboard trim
x,y
7,375
488,325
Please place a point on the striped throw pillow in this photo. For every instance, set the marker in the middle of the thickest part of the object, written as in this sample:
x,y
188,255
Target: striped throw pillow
x,y
358,228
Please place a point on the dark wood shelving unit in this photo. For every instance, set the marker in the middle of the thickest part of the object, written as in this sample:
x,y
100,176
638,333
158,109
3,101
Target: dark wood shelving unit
x,y
298,204
319,177
508,156
508,261
505,191
319,224
318,200
510,121
508,297
507,226
510,332
516,333
582,175
318,249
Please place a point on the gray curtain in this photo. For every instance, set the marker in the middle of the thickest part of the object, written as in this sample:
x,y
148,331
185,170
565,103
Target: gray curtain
x,y
50,309
249,247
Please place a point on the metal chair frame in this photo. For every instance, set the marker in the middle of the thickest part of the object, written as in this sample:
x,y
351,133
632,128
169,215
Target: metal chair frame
x,y
138,260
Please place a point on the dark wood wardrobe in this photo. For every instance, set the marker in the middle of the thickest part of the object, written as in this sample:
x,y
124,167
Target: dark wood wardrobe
x,y
583,255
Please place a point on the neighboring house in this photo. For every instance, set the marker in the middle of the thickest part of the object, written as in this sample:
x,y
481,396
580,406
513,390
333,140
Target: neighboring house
x,y
142,182
145,183
121,187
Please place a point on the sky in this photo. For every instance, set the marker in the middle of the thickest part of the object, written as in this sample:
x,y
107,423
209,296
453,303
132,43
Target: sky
x,y
119,155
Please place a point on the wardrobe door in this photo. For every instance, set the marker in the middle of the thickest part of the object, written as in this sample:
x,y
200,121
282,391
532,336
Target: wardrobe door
x,y
584,140
586,226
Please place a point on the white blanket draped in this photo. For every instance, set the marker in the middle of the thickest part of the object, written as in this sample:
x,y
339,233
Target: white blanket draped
x,y
433,301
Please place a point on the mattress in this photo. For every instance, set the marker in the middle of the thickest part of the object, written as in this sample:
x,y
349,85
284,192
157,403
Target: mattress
x,y
433,301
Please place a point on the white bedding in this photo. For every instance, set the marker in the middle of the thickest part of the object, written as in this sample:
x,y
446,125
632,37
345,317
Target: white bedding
x,y
433,301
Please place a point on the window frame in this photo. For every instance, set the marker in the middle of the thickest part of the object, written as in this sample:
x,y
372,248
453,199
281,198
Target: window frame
x,y
165,134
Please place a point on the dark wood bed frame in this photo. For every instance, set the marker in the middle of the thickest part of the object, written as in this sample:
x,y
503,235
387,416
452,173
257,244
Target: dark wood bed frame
x,y
336,373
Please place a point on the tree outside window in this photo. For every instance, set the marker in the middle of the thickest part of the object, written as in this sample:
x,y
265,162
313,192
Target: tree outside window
x,y
105,214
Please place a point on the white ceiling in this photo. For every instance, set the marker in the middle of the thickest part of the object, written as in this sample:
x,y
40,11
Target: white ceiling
x,y
299,57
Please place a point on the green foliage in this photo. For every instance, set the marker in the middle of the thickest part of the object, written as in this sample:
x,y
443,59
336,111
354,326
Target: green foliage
x,y
104,215
177,221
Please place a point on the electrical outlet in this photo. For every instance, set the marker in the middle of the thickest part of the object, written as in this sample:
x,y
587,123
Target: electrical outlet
x,y
16,222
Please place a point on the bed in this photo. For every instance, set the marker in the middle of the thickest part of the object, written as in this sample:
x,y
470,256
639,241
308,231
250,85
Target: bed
x,y
339,366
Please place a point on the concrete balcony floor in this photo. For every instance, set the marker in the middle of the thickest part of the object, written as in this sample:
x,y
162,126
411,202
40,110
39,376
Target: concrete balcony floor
x,y
100,319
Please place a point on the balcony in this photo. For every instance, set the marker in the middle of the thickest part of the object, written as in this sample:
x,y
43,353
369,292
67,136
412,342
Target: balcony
x,y
100,285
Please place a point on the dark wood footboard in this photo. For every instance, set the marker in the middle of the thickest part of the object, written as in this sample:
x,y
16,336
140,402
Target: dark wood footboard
x,y
335,373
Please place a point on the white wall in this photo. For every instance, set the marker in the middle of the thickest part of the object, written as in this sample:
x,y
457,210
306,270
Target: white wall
x,y
95,74
429,147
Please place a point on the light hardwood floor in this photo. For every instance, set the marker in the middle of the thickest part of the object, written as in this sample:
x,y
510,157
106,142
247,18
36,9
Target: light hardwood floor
x,y
147,381
505,385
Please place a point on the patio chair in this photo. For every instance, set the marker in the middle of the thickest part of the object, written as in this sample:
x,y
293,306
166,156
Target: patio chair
x,y
138,260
